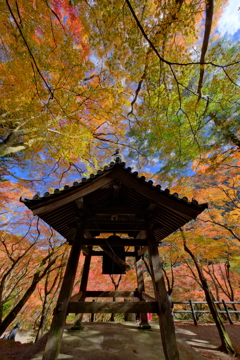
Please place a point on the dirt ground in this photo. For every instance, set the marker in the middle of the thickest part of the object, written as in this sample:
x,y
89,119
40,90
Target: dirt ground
x,y
203,338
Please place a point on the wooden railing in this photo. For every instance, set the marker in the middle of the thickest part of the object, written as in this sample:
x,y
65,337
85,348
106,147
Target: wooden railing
x,y
195,311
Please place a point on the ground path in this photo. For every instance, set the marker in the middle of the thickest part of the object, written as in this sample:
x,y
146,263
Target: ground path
x,y
205,340
110,341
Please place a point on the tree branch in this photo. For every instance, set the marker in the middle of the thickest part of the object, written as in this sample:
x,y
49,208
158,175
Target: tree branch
x,y
29,50
208,25
223,226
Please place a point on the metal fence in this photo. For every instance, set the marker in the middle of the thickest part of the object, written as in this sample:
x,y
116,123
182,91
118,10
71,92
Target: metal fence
x,y
195,311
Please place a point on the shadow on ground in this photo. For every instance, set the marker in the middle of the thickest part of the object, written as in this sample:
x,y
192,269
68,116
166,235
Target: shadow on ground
x,y
204,338
114,341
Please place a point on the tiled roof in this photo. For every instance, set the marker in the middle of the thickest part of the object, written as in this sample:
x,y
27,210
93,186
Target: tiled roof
x,y
136,196
37,199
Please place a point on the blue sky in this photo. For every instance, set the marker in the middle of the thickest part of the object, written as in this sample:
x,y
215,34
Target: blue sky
x,y
230,21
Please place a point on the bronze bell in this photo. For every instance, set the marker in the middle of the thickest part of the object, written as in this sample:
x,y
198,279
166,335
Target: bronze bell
x,y
109,266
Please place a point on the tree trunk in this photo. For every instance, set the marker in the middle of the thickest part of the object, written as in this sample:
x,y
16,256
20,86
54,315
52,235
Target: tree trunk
x,y
1,303
41,327
14,312
12,143
226,345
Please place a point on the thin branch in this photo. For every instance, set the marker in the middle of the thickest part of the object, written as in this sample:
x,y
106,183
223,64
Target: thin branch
x,y
29,50
145,35
223,226
230,78
234,202
19,16
56,15
169,62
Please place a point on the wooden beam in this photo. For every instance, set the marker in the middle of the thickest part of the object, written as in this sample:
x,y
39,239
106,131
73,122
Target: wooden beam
x,y
115,242
166,323
117,293
118,211
116,189
60,311
126,253
113,307
85,272
140,283
147,297
83,287
139,272
115,226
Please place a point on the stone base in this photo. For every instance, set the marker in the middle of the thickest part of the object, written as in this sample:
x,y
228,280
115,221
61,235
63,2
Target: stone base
x,y
77,327
144,326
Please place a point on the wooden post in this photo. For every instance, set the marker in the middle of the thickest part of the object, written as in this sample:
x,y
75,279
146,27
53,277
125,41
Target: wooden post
x,y
166,322
92,315
140,282
60,311
193,312
83,288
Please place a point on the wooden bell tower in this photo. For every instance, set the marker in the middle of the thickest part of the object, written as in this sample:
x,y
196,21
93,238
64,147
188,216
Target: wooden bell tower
x,y
114,201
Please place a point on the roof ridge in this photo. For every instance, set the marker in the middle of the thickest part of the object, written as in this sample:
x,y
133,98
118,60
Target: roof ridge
x,y
106,168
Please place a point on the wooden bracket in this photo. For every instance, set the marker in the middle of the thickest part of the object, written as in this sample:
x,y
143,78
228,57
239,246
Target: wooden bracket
x,y
150,211
85,250
76,297
142,251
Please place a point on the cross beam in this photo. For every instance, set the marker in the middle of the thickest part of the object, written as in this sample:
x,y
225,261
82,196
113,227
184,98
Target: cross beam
x,y
113,307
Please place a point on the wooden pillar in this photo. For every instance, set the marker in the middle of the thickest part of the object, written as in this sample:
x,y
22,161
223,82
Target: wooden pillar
x,y
165,317
92,315
83,288
60,311
140,282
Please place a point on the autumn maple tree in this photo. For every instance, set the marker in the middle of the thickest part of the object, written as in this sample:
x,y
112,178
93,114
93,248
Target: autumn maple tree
x,y
27,265
29,251
214,245
81,78
48,290
226,343
61,106
96,71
